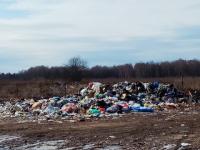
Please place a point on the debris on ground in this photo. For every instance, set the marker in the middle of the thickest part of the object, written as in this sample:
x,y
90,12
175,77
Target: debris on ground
x,y
98,100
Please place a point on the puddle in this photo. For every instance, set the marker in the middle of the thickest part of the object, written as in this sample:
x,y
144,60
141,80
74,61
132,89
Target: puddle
x,y
48,145
88,146
93,147
5,138
114,147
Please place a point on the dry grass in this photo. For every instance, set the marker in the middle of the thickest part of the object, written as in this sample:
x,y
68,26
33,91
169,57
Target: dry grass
x,y
48,88
188,82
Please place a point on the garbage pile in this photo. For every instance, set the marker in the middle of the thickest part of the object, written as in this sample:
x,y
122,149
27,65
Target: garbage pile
x,y
98,100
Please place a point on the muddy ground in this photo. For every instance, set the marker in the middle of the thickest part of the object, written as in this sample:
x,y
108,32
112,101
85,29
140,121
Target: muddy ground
x,y
159,130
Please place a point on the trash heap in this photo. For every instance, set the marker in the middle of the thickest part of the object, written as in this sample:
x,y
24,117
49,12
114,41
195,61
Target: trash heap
x,y
98,100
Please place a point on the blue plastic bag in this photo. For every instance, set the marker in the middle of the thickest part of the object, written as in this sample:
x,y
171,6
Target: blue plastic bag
x,y
142,109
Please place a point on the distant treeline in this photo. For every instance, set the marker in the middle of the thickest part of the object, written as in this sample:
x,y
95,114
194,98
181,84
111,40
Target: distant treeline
x,y
77,70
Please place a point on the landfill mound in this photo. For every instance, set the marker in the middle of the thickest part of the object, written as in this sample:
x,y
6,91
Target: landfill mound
x,y
100,100
100,116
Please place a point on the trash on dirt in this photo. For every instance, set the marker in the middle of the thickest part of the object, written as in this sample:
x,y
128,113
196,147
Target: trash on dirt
x,y
98,100
112,137
169,147
185,144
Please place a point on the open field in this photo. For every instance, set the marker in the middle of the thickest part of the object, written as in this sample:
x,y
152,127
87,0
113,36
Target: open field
x,y
161,130
49,88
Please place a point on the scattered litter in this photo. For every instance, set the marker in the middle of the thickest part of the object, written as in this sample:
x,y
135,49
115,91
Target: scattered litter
x,y
169,147
112,137
185,144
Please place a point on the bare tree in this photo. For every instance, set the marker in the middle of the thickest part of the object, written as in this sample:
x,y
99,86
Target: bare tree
x,y
76,66
77,62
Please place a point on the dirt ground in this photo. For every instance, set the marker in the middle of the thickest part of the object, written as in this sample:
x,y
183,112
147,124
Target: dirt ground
x,y
159,130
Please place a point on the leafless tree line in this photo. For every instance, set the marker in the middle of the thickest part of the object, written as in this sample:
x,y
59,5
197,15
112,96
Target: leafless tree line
x,y
77,69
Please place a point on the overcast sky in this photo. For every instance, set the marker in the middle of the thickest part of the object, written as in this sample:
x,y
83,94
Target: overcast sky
x,y
104,32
